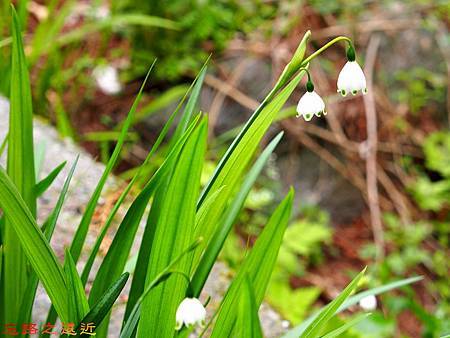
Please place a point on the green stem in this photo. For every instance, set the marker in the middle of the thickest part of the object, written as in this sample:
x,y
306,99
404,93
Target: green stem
x,y
325,47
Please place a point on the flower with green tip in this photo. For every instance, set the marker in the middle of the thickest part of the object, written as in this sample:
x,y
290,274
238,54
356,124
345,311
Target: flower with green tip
x,y
351,78
190,312
310,104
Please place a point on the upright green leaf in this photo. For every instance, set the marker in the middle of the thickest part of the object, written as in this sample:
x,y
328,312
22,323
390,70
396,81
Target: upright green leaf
x,y
20,167
258,266
48,228
230,170
346,326
78,303
140,273
314,329
131,324
214,246
3,145
82,230
103,306
114,262
298,330
247,324
173,232
136,176
262,117
35,245
46,182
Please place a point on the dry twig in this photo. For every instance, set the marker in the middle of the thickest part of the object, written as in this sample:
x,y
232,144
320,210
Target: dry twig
x,y
371,150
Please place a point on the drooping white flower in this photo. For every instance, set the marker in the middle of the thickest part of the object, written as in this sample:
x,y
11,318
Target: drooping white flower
x,y
368,303
351,79
190,312
309,105
107,79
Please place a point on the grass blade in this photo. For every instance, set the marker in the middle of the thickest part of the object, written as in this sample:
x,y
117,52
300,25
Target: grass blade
x,y
78,303
80,235
261,119
20,167
35,245
314,329
140,273
3,145
114,262
298,330
173,231
47,228
247,323
258,266
133,319
231,168
46,182
218,239
105,303
346,326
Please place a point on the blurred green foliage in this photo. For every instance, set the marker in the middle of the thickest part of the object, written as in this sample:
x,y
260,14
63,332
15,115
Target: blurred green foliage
x,y
418,87
301,249
434,194
204,27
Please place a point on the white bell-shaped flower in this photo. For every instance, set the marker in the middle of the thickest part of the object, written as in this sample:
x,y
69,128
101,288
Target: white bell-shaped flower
x,y
310,104
190,312
351,79
368,303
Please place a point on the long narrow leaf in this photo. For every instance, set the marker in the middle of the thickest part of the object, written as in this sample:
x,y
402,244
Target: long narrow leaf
x,y
80,235
34,244
346,326
216,243
140,273
247,324
78,303
20,167
298,330
231,172
131,323
47,228
258,266
174,231
260,113
314,329
46,182
119,202
114,262
105,303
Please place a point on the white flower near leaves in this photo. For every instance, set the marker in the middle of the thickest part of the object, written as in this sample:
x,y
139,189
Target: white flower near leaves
x,y
107,79
368,303
309,105
351,79
190,312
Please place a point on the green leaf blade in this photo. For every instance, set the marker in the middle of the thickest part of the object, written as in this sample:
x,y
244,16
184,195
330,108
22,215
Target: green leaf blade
x,y
35,245
174,231
258,265
20,167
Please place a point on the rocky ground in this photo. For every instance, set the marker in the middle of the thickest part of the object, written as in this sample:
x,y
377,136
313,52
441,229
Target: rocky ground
x,y
54,151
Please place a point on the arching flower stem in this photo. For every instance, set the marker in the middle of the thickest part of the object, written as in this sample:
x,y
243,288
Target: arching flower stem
x,y
325,47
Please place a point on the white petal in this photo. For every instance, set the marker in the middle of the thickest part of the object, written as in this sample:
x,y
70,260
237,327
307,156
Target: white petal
x,y
310,104
351,79
190,312
368,303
